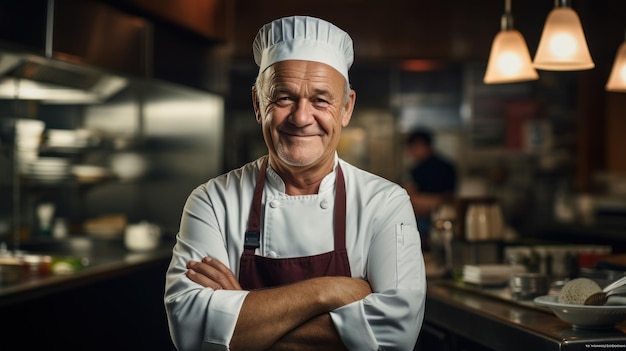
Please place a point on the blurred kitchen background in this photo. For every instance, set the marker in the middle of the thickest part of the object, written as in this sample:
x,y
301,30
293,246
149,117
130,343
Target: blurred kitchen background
x,y
112,111
160,102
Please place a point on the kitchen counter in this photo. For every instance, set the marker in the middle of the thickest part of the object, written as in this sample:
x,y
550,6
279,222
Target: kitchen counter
x,y
113,303
459,316
112,261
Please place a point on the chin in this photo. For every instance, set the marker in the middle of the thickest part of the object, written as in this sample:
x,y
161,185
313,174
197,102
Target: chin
x,y
297,160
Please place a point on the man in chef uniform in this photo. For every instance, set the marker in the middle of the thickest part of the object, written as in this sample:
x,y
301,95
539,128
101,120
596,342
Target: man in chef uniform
x,y
298,250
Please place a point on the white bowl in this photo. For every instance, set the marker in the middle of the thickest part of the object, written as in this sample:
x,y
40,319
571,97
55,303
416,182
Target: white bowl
x,y
584,317
89,173
128,166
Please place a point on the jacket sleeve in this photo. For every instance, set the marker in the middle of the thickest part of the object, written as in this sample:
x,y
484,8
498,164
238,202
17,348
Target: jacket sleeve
x,y
391,317
199,318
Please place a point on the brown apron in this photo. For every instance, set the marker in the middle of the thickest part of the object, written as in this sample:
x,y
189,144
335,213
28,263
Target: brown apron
x,y
256,272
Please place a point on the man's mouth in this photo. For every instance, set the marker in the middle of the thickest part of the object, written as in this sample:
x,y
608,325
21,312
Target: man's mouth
x,y
298,135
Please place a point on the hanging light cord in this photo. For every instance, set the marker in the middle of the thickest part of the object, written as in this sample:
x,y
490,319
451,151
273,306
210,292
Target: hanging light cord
x,y
562,3
506,22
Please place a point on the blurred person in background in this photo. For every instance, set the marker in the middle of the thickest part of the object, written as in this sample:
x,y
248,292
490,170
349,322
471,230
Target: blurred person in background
x,y
430,181
298,250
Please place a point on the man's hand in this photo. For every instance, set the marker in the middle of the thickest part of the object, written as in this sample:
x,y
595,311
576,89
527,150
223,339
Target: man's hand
x,y
212,274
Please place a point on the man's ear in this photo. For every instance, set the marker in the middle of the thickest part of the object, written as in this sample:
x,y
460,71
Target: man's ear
x,y
348,109
255,104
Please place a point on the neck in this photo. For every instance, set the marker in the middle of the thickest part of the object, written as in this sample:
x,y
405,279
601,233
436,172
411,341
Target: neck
x,y
304,180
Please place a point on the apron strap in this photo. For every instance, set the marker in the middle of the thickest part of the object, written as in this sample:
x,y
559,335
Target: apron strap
x,y
252,239
340,211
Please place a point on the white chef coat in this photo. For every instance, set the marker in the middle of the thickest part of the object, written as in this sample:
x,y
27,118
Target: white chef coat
x,y
382,242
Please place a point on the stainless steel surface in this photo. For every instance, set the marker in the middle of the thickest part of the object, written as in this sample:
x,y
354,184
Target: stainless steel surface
x,y
106,258
26,76
500,323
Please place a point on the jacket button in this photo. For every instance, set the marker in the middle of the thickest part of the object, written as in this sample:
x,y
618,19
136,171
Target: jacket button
x,y
324,204
272,254
274,203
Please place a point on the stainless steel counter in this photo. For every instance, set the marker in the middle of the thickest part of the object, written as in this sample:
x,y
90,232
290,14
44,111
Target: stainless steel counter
x,y
104,259
496,322
114,303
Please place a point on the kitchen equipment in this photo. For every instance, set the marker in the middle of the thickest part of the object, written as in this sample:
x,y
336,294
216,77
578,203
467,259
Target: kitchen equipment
x,y
28,134
582,316
601,297
441,236
480,219
143,236
60,229
36,264
128,165
10,270
45,214
106,226
89,173
68,138
48,169
484,221
490,274
528,285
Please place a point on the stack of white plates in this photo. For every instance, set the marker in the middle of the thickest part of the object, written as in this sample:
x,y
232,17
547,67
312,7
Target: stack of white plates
x,y
28,134
48,169
65,138
490,274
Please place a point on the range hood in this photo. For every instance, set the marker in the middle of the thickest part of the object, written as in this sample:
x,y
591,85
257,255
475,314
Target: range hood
x,y
30,77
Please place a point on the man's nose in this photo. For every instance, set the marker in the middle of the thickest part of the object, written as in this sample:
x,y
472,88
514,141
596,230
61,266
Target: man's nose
x,y
302,113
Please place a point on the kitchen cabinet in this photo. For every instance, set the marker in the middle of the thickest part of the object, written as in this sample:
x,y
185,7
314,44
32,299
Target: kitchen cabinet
x,y
435,338
211,19
186,46
76,31
98,35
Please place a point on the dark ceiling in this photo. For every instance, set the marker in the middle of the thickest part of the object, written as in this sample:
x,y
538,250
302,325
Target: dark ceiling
x,y
447,30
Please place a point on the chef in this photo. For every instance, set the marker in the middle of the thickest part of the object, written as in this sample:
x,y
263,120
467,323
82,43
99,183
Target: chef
x,y
298,250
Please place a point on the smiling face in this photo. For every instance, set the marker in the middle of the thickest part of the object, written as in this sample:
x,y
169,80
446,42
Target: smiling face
x,y
302,107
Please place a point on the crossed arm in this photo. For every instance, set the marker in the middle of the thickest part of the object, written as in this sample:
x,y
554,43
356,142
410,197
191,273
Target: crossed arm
x,y
293,317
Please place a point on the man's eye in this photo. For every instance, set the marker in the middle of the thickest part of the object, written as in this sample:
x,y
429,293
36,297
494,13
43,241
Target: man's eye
x,y
282,100
320,102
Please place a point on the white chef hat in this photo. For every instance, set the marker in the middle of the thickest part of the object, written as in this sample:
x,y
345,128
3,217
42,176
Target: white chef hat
x,y
303,38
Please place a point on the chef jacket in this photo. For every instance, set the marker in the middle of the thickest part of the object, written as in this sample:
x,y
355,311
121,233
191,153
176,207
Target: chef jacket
x,y
382,242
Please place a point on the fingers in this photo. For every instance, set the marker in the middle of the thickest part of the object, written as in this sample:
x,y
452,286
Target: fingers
x,y
213,274
200,278
227,277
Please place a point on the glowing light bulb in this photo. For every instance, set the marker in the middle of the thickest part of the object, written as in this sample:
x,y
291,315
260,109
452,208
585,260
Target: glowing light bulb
x,y
622,73
509,64
563,45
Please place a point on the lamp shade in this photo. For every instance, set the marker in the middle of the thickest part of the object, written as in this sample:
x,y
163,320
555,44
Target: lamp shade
x,y
617,79
563,46
509,59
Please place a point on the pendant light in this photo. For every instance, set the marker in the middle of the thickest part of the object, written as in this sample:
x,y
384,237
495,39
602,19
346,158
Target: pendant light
x,y
509,59
617,79
563,46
